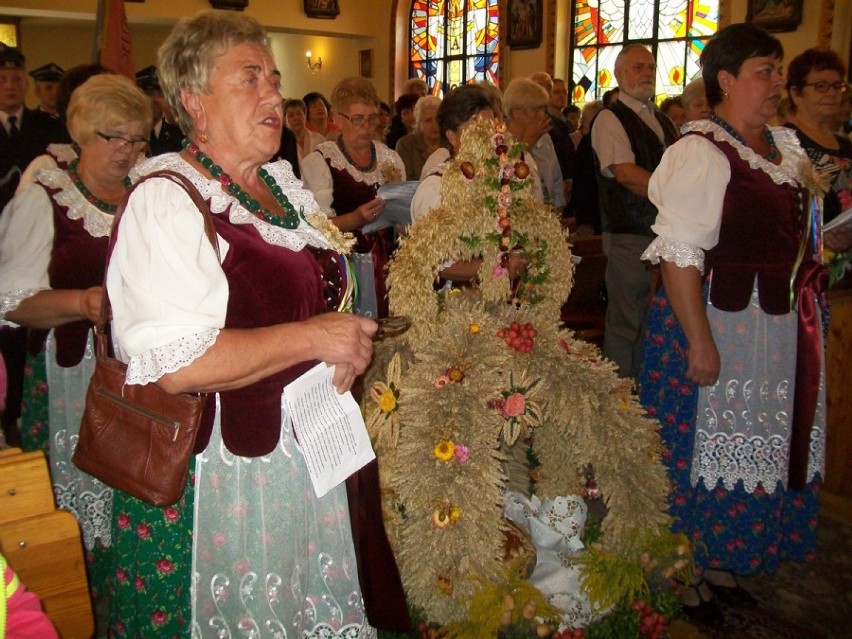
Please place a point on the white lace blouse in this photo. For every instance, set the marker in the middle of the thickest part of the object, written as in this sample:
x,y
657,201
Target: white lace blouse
x,y
688,189
26,235
168,291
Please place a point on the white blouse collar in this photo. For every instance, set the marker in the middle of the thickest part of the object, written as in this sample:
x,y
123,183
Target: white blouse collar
x,y
96,222
793,158
220,201
384,172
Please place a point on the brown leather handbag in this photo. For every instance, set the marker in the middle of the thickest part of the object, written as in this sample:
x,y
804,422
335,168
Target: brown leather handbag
x,y
139,438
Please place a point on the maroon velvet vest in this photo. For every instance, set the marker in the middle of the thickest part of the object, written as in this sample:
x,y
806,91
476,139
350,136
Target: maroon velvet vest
x,y
760,235
267,285
347,195
76,262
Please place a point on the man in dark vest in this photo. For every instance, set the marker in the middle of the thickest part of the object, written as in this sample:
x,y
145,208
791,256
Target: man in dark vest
x,y
628,138
166,136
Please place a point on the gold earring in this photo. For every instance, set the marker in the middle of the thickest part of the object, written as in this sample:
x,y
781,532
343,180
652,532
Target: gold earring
x,y
724,95
202,137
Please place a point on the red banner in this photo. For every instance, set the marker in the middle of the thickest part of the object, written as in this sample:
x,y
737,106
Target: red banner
x,y
115,40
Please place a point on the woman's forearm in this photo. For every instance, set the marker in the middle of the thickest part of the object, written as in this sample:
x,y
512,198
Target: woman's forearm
x,y
51,308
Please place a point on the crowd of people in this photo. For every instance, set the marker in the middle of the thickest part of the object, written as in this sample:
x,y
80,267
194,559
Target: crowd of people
x,y
705,185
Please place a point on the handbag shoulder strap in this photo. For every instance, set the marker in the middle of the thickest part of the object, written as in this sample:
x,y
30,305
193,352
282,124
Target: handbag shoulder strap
x,y
209,230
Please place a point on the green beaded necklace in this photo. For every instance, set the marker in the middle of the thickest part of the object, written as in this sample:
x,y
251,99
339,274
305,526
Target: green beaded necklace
x,y
291,219
98,203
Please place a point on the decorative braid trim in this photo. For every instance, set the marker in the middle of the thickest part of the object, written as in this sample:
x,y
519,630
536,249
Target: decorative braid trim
x,y
156,362
679,253
792,154
96,222
220,201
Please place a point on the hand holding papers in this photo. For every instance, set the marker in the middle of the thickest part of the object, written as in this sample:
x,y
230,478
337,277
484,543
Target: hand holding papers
x,y
329,428
397,197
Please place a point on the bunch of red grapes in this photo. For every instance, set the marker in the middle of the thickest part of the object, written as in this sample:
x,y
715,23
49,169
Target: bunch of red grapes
x,y
569,633
520,337
652,624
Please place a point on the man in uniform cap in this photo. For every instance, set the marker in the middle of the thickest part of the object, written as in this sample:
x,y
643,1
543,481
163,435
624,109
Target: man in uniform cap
x,y
24,134
166,135
47,79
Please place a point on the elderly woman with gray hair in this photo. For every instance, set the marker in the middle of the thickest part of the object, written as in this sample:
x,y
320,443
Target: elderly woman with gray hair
x,y
416,147
53,241
525,108
694,101
345,175
249,549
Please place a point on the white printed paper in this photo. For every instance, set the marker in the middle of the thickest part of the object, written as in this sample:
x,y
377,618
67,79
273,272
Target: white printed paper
x,y
328,427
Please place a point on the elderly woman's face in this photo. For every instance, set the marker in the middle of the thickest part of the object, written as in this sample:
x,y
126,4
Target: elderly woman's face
x,y
816,105
317,113
408,119
358,124
698,109
756,90
242,113
295,118
429,124
113,150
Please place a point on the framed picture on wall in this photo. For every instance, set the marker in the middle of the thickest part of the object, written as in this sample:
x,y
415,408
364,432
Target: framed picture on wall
x,y
365,63
322,9
10,32
775,15
525,18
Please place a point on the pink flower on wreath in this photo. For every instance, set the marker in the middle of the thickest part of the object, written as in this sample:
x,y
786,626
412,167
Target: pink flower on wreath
x,y
165,566
514,405
171,514
462,453
498,272
123,521
143,531
504,200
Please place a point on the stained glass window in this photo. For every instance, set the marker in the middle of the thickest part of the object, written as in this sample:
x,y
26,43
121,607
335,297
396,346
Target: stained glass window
x,y
454,42
675,30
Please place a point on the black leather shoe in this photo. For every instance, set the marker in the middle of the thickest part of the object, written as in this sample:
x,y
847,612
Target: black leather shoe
x,y
706,613
735,597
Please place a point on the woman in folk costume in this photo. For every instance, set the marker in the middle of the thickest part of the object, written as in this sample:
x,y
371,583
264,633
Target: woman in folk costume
x,y
249,549
53,241
346,174
733,365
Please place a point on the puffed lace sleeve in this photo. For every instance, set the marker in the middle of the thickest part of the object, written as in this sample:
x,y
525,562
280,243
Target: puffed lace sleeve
x,y
168,292
26,239
317,179
688,189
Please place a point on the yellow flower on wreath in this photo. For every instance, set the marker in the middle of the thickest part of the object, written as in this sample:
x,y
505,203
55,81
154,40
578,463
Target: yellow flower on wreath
x,y
445,450
383,411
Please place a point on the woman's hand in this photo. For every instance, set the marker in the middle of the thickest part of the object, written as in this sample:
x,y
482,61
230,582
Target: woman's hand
x,y
90,303
538,126
368,212
704,363
344,341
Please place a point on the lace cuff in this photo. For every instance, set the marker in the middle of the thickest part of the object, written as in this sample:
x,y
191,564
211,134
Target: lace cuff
x,y
10,301
679,253
153,364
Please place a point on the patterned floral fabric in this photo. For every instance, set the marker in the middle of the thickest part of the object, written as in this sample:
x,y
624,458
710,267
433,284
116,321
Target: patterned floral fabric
x,y
34,434
149,590
736,521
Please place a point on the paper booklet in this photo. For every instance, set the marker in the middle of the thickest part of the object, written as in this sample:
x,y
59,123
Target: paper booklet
x,y
328,427
397,211
837,234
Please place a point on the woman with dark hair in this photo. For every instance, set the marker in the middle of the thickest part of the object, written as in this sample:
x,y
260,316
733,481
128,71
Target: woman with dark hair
x,y
403,120
816,87
318,111
732,365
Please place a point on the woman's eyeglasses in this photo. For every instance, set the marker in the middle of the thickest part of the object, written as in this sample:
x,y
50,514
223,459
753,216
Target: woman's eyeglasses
x,y
822,86
361,120
118,142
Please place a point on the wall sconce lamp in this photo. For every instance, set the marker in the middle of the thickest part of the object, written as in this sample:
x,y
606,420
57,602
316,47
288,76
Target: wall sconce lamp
x,y
313,66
